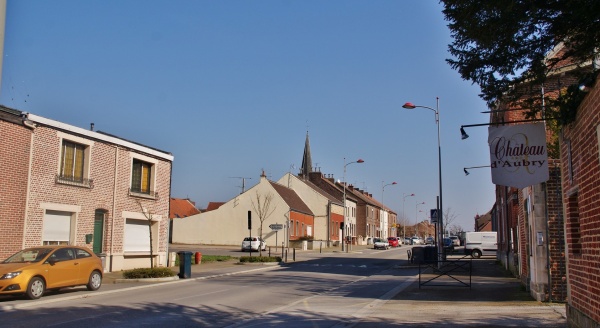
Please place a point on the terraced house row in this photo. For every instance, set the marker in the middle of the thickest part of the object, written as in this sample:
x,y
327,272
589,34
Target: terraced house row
x,y
63,184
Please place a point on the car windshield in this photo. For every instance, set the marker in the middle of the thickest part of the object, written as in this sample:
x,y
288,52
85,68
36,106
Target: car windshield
x,y
29,255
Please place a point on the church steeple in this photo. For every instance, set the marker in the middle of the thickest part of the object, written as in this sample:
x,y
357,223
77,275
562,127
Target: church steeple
x,y
306,159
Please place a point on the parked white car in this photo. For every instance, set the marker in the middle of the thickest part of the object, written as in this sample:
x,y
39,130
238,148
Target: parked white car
x,y
380,243
253,243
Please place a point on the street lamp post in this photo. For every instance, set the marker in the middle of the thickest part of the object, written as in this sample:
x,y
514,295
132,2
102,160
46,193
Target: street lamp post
x,y
344,200
404,195
440,217
383,211
417,218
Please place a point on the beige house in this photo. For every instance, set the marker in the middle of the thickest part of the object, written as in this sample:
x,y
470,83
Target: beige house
x,y
228,224
328,211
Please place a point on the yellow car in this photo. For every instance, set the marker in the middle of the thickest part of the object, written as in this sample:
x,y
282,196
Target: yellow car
x,y
34,270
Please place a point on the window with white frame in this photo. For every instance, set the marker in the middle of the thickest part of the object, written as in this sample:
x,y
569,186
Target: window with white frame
x,y
57,228
74,160
143,176
137,236
140,177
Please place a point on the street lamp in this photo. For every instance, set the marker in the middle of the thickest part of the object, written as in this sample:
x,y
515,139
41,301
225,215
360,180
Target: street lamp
x,y
473,167
404,195
440,217
359,161
383,211
417,218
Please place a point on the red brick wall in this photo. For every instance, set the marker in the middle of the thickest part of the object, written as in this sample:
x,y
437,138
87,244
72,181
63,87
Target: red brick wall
x,y
15,143
304,220
581,197
556,234
336,220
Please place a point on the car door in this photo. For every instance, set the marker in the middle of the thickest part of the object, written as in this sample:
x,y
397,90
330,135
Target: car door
x,y
62,268
86,263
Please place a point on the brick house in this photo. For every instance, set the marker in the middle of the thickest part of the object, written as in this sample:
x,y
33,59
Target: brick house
x,y
15,149
80,187
580,160
530,221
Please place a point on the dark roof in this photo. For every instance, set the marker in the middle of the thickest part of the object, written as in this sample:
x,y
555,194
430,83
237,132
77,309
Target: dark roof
x,y
133,142
322,192
11,115
291,198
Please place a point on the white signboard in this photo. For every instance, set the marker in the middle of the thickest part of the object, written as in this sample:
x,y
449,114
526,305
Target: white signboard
x,y
518,154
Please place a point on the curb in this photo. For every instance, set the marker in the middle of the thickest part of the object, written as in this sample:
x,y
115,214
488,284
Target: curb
x,y
163,279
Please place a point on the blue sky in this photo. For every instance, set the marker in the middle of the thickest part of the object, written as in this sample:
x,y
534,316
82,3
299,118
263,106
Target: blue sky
x,y
231,87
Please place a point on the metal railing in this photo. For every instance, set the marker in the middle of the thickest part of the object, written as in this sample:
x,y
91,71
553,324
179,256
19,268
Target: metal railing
x,y
71,181
456,272
137,192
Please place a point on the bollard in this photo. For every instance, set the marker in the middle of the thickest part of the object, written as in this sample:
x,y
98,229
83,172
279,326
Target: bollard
x,y
294,255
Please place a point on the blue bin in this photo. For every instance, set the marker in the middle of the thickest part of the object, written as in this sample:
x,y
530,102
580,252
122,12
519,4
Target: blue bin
x,y
185,264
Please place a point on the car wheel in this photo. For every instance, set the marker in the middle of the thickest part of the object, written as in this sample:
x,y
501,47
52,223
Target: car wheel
x,y
35,288
476,254
95,281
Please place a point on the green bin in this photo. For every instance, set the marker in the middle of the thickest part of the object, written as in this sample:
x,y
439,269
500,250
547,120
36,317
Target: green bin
x,y
185,264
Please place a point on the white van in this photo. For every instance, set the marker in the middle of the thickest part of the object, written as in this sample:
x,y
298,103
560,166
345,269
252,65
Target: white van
x,y
481,243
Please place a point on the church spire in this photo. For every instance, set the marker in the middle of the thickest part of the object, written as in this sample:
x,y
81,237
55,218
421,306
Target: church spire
x,y
306,159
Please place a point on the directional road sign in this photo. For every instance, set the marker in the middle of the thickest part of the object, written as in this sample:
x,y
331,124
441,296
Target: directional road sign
x,y
276,226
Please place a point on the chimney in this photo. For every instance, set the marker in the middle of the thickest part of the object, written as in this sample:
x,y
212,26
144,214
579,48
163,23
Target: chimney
x,y
91,126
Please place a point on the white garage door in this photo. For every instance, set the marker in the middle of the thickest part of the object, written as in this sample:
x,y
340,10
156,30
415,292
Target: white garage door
x,y
57,228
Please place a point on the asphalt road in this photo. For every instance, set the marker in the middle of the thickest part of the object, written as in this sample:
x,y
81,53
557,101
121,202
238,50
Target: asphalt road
x,y
325,290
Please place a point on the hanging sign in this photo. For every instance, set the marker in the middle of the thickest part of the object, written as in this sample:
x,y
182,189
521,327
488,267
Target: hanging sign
x,y
518,154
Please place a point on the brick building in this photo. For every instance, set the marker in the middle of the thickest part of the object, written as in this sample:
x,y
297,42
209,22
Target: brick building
x,y
580,160
15,149
529,220
68,185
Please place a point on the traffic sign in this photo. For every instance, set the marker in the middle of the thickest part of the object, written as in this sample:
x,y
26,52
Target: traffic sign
x,y
276,226
434,215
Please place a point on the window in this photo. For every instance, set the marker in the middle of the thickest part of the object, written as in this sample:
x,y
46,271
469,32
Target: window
x,y
137,236
140,177
72,159
57,228
143,176
74,162
81,254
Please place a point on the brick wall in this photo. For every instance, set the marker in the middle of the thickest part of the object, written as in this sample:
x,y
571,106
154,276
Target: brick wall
x,y
110,192
556,235
581,193
14,160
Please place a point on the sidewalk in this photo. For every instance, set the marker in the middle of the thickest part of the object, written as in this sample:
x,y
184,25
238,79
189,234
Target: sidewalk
x,y
494,299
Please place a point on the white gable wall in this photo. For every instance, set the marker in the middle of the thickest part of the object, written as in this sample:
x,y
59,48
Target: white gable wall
x,y
228,225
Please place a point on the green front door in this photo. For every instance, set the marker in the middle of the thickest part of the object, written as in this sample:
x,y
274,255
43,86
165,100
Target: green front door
x,y
98,231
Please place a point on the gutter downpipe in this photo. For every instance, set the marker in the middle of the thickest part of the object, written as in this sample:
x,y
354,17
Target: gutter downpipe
x,y
168,214
27,198
112,221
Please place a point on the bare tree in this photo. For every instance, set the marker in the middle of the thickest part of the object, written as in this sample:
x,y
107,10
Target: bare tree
x,y
449,217
262,206
148,214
